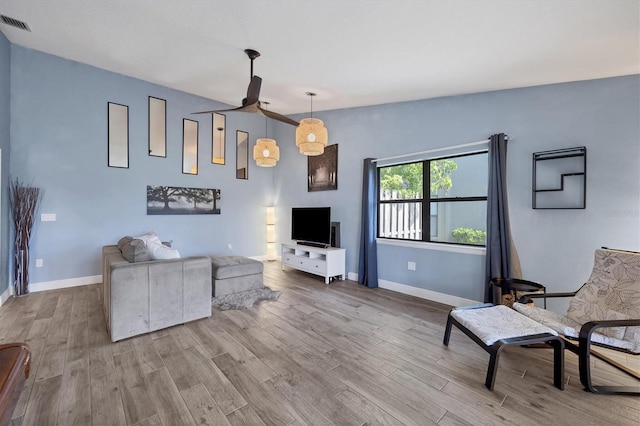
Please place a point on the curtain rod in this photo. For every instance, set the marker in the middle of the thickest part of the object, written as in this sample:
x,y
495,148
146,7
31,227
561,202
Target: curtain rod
x,y
429,151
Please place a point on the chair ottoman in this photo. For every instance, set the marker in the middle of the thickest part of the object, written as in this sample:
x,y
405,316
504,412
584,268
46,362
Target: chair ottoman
x,y
493,327
234,274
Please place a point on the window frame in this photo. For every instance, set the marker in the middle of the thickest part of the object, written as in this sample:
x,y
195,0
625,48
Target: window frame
x,y
426,199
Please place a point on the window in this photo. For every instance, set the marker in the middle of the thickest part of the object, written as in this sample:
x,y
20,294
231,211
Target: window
x,y
442,200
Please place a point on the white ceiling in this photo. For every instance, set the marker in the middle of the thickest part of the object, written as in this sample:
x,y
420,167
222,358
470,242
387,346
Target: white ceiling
x,y
352,53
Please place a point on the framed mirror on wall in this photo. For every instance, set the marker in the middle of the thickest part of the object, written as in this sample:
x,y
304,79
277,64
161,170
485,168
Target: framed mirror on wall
x,y
118,135
218,136
157,127
189,147
242,155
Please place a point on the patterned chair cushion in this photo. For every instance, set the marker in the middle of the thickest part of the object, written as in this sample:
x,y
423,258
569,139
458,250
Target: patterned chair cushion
x,y
498,322
612,292
570,328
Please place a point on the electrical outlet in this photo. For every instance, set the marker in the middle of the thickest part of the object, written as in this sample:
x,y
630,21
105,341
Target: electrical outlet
x,y
229,246
48,217
411,266
39,263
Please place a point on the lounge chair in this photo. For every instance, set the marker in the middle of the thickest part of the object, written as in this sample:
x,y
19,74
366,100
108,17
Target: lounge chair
x,y
604,312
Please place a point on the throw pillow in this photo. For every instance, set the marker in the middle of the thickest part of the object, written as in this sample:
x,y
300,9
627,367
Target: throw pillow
x,y
123,241
163,252
151,240
156,249
136,251
149,236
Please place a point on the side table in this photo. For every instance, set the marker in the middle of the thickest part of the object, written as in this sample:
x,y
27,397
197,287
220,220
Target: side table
x,y
515,287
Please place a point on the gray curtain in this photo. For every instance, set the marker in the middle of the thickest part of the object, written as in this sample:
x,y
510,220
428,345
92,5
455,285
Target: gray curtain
x,y
502,258
368,259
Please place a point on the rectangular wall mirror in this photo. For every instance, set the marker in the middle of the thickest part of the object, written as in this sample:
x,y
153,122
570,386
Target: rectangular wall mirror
x,y
157,127
118,135
218,136
242,155
189,147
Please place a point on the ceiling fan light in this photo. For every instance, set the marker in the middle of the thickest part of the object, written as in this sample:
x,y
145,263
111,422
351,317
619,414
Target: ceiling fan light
x,y
266,152
311,136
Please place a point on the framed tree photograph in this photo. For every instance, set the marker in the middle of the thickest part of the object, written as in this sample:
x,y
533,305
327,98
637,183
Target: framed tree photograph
x,y
162,200
322,170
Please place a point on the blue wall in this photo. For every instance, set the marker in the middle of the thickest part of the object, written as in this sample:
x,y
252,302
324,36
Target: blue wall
x,y
556,246
59,139
5,56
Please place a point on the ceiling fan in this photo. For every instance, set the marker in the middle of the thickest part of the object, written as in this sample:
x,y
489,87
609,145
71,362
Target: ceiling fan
x,y
251,103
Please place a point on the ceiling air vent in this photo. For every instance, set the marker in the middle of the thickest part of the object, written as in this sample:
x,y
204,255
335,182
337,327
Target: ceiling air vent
x,y
15,23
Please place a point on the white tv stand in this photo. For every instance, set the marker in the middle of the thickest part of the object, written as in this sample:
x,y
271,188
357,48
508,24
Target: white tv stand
x,y
326,262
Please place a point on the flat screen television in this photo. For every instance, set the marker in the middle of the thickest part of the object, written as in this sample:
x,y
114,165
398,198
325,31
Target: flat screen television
x,y
311,225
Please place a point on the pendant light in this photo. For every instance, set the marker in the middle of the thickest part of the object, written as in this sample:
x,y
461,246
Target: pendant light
x,y
311,135
266,152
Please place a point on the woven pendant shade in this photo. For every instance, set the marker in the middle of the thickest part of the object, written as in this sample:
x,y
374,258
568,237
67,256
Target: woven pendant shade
x,y
266,152
311,136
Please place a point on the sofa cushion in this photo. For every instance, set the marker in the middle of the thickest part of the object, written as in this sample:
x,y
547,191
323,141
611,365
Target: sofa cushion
x,y
223,267
136,251
124,241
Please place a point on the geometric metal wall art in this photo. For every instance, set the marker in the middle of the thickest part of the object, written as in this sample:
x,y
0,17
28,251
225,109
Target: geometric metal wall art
x,y
560,179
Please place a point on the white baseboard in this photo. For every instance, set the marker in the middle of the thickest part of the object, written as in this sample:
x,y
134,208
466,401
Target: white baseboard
x,y
70,282
422,293
264,258
6,294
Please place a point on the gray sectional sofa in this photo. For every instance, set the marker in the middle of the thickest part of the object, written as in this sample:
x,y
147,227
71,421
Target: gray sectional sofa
x,y
140,296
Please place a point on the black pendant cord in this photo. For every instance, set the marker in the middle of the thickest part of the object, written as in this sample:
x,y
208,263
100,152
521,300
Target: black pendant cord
x,y
311,95
266,120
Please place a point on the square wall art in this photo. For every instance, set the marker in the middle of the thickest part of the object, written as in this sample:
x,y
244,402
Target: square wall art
x,y
322,169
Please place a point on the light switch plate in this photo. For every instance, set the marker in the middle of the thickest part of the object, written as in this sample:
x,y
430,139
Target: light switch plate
x,y
39,263
48,217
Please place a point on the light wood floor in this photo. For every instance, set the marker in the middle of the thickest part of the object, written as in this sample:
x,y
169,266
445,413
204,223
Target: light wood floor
x,y
339,354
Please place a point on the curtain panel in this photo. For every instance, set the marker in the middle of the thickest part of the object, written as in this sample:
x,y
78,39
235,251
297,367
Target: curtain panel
x,y
368,257
501,256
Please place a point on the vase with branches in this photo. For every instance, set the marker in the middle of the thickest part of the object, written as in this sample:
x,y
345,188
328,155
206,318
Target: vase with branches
x,y
24,199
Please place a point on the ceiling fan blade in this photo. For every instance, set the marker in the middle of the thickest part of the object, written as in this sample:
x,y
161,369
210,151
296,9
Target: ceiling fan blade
x,y
253,92
218,110
279,117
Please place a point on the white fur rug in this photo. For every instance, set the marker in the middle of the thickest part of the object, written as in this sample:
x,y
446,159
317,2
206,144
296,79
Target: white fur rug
x,y
245,299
